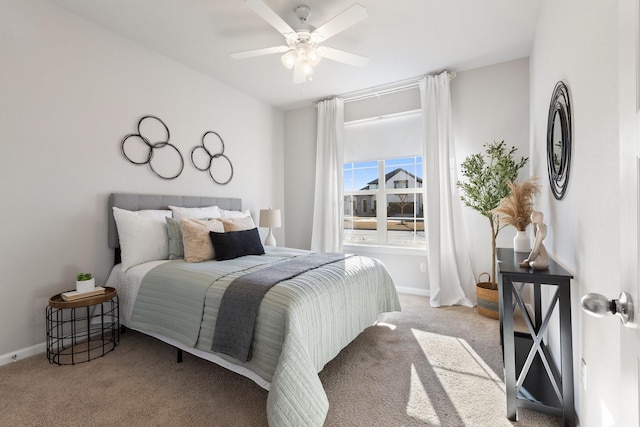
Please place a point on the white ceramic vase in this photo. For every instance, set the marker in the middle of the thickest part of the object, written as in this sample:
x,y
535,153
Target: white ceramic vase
x,y
85,285
521,242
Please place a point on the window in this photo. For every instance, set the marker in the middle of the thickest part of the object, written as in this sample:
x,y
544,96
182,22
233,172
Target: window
x,y
395,184
383,189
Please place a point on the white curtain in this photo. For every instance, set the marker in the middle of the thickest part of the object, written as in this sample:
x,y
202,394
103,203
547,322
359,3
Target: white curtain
x,y
451,278
328,211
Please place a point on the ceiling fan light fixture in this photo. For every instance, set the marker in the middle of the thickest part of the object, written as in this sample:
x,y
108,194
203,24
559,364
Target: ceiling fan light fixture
x,y
307,68
289,59
303,50
312,55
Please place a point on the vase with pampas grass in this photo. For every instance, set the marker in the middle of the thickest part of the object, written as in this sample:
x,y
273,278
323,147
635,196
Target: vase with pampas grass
x,y
516,210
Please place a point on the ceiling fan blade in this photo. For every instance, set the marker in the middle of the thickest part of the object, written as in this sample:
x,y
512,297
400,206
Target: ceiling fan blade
x,y
272,18
259,52
340,22
298,73
342,56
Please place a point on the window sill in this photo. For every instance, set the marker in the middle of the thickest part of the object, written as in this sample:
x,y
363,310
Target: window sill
x,y
377,249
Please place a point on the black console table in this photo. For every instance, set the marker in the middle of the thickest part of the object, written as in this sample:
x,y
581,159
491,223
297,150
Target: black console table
x,y
532,379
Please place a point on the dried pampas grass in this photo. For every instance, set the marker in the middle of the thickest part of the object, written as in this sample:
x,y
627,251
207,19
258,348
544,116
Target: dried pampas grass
x,y
517,207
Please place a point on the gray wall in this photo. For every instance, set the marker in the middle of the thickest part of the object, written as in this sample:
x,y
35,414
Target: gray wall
x,y
70,92
490,104
299,175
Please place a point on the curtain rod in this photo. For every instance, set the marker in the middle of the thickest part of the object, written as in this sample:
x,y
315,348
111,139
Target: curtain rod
x,y
385,89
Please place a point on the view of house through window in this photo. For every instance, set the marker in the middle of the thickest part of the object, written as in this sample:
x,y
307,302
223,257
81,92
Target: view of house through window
x,y
395,185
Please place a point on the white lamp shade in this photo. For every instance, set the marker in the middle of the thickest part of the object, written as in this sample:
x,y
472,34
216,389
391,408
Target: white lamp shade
x,y
312,55
270,218
307,68
289,59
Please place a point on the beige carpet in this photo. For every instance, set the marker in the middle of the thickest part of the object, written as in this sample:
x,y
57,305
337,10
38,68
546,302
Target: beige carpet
x,y
421,367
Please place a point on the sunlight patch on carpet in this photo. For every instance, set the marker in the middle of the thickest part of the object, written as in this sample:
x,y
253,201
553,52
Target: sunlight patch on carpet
x,y
463,376
419,406
387,325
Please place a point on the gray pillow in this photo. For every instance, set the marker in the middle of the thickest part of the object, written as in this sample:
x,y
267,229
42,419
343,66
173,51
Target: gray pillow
x,y
176,247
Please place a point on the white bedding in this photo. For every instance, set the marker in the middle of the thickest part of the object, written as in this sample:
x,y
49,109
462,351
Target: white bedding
x,y
318,312
127,285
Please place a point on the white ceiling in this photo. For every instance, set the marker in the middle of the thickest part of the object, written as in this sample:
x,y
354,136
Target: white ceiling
x,y
404,39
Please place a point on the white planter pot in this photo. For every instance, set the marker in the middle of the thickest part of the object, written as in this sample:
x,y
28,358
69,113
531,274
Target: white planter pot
x,y
85,285
521,242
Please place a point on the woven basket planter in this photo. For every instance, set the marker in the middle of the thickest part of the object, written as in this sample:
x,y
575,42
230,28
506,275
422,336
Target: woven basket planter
x,y
488,305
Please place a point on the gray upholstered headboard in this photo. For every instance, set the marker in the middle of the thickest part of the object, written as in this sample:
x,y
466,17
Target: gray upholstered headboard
x,y
135,202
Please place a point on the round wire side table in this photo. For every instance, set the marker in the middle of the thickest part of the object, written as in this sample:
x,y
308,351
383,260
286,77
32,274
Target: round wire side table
x,y
84,329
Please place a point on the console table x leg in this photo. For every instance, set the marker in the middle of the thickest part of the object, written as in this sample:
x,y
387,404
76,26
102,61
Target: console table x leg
x,y
537,343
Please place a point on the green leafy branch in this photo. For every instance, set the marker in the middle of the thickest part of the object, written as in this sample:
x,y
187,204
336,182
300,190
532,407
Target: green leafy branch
x,y
487,177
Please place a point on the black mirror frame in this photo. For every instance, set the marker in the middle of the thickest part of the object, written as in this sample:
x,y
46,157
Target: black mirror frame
x,y
558,169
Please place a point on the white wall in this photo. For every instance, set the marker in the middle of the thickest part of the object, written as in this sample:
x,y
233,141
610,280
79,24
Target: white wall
x,y
489,103
70,92
576,42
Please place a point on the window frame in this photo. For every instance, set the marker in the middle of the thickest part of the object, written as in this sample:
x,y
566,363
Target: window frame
x,y
380,197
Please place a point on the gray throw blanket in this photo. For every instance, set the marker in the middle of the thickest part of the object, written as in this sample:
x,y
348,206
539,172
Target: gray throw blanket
x,y
239,306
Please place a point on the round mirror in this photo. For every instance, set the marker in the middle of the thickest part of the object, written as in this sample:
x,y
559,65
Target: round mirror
x,y
559,140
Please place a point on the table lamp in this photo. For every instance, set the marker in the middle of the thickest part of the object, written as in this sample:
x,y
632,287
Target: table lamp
x,y
270,218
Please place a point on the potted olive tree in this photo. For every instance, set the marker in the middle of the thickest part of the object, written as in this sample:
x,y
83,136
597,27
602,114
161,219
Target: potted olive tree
x,y
486,181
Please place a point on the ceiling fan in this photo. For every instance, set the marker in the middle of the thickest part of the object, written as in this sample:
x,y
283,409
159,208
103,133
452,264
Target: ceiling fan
x,y
303,50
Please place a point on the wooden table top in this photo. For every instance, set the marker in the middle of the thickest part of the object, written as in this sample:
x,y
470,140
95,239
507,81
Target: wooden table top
x,y
56,301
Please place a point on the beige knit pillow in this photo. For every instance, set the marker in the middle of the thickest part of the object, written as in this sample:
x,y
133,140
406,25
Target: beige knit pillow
x,y
237,224
195,238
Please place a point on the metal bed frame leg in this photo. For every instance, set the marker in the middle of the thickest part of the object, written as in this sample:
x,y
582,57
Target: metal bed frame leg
x,y
179,359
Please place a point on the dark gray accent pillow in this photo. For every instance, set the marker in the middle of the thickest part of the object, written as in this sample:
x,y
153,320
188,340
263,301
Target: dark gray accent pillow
x,y
234,244
176,247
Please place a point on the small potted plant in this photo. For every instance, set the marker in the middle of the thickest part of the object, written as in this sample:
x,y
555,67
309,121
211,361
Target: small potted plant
x,y
85,282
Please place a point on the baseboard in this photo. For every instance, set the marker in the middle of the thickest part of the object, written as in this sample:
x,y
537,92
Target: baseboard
x,y
412,291
23,353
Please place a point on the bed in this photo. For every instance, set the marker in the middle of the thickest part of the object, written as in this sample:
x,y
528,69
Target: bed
x,y
301,323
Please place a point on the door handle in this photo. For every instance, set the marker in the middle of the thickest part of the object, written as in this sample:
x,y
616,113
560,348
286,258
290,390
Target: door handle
x,y
599,306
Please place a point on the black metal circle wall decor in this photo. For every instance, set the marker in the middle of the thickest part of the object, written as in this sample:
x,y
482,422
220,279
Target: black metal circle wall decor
x,y
559,140
205,161
151,147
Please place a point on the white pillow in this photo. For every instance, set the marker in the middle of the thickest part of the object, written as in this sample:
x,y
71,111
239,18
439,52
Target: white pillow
x,y
234,214
198,213
143,236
